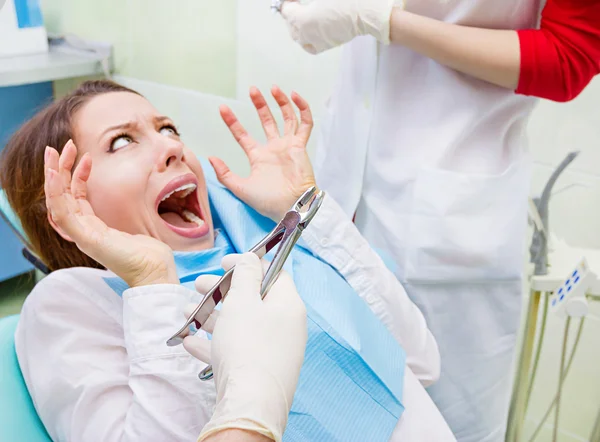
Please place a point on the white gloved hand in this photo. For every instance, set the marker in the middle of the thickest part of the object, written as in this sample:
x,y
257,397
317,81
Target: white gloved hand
x,y
325,24
257,350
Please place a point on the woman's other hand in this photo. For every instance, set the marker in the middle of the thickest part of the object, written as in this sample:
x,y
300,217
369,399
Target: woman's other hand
x,y
280,170
137,259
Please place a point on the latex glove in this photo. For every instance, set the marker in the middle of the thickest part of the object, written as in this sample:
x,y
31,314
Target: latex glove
x,y
137,259
257,350
280,169
325,24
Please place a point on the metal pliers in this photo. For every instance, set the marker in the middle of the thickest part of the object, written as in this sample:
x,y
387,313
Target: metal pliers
x,y
286,234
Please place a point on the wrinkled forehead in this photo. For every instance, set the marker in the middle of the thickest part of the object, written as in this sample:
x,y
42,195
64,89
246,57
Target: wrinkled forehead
x,y
111,109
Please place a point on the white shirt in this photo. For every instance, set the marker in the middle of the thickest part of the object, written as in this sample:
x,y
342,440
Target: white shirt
x,y
98,369
434,165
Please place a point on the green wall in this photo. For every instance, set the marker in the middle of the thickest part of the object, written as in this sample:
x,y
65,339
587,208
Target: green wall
x,y
185,43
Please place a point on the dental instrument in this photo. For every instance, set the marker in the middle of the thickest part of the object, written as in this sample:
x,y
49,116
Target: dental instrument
x,y
286,234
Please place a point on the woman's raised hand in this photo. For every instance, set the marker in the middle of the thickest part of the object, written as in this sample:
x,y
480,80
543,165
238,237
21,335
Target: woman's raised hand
x,y
137,259
280,169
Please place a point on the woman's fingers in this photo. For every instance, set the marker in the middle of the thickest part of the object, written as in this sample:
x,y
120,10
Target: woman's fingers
x,y
51,158
62,189
79,184
66,162
80,177
58,206
226,177
237,130
264,113
54,190
50,164
306,118
289,116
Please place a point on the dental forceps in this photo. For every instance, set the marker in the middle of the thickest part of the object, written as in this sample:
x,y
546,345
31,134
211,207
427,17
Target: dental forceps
x,y
286,234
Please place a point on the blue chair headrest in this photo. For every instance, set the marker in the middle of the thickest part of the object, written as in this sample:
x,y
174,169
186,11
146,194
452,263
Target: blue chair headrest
x,y
9,216
19,421
7,213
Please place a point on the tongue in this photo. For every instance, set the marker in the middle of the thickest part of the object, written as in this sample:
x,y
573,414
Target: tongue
x,y
176,220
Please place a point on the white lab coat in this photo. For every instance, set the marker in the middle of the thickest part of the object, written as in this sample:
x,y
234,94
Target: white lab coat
x,y
98,369
434,165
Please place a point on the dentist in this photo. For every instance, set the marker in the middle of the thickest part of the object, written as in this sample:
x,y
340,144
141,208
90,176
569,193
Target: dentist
x,y
423,142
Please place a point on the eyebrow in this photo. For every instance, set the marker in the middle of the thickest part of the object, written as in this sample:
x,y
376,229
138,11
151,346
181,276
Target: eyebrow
x,y
133,124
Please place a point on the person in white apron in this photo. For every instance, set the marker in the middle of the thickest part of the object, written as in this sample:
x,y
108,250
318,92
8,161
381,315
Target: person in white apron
x,y
433,165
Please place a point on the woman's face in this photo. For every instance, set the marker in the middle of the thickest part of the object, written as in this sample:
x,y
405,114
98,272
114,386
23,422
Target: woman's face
x,y
143,180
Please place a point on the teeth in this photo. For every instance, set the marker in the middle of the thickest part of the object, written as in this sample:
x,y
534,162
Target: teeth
x,y
189,188
186,193
191,217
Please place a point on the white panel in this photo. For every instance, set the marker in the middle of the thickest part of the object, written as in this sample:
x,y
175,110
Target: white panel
x,y
558,128
266,55
15,41
8,18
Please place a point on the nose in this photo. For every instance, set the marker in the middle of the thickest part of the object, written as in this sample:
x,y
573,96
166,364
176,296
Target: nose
x,y
171,153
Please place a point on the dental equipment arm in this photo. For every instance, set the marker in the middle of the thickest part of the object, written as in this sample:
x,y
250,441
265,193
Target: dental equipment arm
x,y
539,242
257,350
334,238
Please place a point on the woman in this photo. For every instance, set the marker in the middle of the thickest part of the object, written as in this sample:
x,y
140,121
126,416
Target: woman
x,y
96,363
439,163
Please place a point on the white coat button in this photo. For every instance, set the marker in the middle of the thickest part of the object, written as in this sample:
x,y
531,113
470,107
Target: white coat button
x,y
324,242
367,102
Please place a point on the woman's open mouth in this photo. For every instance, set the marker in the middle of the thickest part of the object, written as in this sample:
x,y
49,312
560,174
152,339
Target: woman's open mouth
x,y
179,208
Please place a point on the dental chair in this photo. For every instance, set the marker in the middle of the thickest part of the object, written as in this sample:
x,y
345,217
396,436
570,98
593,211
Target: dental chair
x,y
19,421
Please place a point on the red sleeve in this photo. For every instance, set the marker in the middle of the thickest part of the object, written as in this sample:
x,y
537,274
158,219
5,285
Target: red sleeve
x,y
561,58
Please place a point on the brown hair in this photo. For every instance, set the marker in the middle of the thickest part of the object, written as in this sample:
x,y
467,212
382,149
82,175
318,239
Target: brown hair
x,y
22,173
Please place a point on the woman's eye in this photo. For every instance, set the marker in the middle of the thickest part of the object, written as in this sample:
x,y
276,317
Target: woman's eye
x,y
168,131
120,142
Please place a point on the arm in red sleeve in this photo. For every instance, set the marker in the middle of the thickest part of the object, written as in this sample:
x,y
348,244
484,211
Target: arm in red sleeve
x,y
560,59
